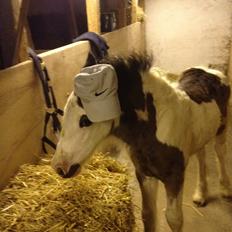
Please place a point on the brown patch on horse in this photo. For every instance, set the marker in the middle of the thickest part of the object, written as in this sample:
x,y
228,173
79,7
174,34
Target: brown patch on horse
x,y
150,156
202,86
79,103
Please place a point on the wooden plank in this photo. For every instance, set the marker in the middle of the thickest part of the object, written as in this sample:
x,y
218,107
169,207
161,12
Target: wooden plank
x,y
28,35
26,39
25,151
22,105
21,98
132,37
21,112
141,3
21,22
134,11
93,15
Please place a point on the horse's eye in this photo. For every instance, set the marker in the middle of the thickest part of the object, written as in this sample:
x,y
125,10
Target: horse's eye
x,y
84,121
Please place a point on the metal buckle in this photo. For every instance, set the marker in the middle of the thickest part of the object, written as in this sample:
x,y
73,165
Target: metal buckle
x,y
49,110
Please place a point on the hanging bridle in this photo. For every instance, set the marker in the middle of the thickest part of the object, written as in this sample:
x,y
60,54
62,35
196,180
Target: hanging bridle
x,y
52,111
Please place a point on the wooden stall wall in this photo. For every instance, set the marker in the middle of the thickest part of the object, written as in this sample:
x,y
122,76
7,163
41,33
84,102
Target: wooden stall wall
x,y
21,98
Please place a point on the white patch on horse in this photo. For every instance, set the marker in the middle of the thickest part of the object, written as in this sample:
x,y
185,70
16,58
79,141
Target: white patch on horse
x,y
178,117
142,115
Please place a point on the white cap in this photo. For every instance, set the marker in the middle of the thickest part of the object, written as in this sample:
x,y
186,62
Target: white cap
x,y
97,87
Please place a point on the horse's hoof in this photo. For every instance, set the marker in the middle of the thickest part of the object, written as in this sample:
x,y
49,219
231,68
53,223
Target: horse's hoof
x,y
200,203
199,200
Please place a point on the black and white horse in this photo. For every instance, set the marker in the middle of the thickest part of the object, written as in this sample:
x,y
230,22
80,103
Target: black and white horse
x,y
165,119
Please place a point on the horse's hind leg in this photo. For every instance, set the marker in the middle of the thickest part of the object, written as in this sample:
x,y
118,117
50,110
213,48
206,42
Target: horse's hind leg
x,y
221,149
201,191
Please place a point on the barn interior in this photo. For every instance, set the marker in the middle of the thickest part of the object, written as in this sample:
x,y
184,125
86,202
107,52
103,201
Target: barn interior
x,y
178,33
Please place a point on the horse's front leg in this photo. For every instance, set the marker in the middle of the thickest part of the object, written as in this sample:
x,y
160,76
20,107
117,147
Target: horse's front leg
x,y
148,187
174,191
174,214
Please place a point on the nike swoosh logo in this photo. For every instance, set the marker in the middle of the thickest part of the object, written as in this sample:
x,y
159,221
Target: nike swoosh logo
x,y
100,93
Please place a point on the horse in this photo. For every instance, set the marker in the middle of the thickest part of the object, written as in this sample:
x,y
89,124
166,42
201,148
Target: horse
x,y
165,119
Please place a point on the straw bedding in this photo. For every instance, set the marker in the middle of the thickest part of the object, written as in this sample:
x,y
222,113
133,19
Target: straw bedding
x,y
37,199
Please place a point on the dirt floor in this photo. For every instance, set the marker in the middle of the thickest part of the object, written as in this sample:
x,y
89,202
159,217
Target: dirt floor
x,y
216,216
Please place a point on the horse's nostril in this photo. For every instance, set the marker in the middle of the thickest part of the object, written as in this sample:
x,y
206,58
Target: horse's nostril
x,y
73,169
60,172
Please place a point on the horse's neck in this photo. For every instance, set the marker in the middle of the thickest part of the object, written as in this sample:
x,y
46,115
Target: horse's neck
x,y
158,83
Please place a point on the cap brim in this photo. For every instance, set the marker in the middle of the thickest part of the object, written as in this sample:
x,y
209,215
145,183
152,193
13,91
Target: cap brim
x,y
102,110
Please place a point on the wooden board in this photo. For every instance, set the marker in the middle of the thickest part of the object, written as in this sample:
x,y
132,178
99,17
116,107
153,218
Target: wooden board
x,y
93,14
21,32
127,39
21,98
134,11
22,105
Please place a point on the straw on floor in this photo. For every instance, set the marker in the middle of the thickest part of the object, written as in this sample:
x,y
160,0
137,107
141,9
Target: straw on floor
x,y
37,199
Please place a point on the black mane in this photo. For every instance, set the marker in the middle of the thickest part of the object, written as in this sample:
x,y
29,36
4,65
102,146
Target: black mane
x,y
129,69
134,62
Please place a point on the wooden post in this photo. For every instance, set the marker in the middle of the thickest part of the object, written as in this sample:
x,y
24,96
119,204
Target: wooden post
x,y
20,28
141,3
134,11
93,15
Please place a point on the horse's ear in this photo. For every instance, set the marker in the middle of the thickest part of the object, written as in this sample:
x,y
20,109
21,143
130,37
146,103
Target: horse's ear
x,y
84,121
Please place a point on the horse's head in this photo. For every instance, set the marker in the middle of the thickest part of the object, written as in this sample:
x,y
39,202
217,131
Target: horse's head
x,y
96,88
79,137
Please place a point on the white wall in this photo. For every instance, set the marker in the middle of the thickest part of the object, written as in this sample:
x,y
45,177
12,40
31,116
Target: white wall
x,y
230,64
182,33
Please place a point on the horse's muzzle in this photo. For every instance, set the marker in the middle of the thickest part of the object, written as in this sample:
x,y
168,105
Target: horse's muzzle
x,y
72,171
